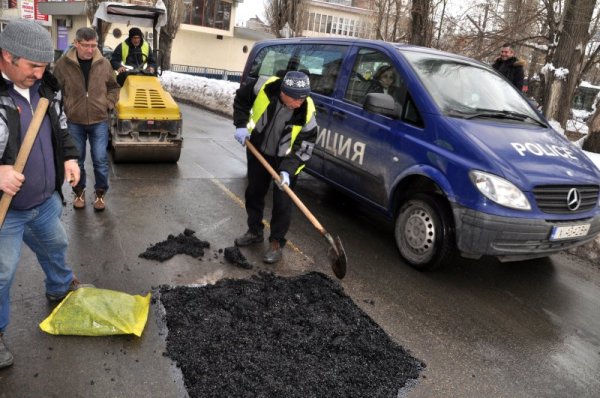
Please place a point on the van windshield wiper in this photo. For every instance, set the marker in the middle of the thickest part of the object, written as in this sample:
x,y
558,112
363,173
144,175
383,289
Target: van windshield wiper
x,y
496,114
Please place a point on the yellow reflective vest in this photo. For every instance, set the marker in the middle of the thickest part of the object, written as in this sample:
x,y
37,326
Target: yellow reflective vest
x,y
125,51
261,103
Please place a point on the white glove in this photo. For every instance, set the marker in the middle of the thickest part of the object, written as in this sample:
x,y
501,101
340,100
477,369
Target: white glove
x,y
284,179
241,134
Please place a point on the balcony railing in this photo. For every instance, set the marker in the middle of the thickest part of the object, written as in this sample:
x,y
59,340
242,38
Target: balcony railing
x,y
211,73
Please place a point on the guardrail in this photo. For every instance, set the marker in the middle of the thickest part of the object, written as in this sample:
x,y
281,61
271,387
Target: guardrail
x,y
211,73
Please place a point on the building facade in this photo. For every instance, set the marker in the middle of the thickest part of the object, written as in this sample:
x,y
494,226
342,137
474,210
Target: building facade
x,y
206,38
351,18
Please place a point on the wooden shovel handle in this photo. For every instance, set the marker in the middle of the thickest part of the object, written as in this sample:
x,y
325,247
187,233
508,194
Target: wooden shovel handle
x,y
287,189
26,145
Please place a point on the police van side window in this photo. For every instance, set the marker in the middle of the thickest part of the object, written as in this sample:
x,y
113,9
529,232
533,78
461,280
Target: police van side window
x,y
373,72
322,63
271,61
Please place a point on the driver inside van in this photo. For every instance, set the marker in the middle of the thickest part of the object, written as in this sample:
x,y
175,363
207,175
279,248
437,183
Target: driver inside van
x,y
384,81
134,52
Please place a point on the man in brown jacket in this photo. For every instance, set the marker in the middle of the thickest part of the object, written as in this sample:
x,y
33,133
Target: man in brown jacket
x,y
90,92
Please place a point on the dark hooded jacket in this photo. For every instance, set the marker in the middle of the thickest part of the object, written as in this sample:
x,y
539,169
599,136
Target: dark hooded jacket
x,y
512,69
134,57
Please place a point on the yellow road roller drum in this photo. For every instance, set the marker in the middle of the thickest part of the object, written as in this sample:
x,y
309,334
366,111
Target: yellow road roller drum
x,y
146,123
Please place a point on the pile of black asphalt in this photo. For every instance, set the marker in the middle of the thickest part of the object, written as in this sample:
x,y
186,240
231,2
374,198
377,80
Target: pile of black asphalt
x,y
188,243
270,336
184,243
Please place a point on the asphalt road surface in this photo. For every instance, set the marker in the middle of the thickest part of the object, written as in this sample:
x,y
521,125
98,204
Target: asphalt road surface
x,y
484,329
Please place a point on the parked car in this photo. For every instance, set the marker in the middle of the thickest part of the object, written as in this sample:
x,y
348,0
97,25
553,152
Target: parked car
x,y
453,154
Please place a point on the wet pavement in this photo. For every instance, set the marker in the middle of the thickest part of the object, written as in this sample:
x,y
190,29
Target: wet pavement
x,y
483,328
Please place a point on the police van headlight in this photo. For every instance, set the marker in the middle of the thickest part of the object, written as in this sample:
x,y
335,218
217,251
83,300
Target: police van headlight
x,y
499,190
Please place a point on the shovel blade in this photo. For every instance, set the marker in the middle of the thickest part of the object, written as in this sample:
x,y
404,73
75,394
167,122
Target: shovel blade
x,y
337,257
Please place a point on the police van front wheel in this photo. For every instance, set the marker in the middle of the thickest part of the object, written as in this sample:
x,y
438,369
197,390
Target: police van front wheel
x,y
423,232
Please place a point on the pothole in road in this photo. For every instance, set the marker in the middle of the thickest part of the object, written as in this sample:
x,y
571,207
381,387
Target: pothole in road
x,y
269,336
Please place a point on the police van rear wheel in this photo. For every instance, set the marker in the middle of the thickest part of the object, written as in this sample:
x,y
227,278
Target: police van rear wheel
x,y
424,232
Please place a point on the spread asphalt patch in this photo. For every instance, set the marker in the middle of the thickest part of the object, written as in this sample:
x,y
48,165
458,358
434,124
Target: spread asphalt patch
x,y
270,336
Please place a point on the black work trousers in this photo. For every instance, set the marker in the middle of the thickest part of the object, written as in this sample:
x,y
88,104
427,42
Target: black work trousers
x,y
259,181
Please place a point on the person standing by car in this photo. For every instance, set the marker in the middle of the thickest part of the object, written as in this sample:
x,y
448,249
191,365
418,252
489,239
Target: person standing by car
x,y
36,205
134,52
510,66
91,92
278,117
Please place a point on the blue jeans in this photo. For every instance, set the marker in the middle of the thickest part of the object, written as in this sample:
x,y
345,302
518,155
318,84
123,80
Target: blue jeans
x,y
41,229
98,136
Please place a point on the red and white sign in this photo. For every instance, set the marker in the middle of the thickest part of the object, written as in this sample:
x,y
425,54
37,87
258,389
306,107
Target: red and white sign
x,y
27,9
38,15
30,10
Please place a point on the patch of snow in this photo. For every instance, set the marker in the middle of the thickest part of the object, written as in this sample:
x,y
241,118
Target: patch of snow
x,y
577,126
561,73
585,83
580,114
213,94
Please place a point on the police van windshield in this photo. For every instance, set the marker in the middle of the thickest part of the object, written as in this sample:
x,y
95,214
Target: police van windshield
x,y
466,90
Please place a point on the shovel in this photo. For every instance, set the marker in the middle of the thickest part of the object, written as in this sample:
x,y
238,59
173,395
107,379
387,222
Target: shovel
x,y
336,253
30,136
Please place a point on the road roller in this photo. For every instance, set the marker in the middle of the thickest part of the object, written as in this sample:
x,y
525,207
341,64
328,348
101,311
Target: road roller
x,y
146,124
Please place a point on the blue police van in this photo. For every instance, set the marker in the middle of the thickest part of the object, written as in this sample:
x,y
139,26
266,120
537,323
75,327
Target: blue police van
x,y
441,144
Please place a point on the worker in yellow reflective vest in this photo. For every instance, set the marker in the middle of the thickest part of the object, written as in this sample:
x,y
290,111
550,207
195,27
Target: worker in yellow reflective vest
x,y
134,52
278,117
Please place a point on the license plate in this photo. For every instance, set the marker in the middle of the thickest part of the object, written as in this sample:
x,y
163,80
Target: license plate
x,y
568,232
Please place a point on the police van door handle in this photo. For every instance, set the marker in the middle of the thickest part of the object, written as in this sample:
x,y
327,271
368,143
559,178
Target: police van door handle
x,y
341,115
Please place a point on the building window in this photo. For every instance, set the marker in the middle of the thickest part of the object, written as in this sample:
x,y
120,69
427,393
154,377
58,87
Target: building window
x,y
210,13
333,25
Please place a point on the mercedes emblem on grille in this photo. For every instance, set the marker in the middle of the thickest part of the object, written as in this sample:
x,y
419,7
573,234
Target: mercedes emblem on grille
x,y
573,199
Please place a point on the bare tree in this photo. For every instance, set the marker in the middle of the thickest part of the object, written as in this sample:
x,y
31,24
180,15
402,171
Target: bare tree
x,y
567,61
282,12
391,18
175,13
421,30
90,10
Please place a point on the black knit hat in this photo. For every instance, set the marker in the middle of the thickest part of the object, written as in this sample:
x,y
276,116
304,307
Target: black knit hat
x,y
296,85
135,32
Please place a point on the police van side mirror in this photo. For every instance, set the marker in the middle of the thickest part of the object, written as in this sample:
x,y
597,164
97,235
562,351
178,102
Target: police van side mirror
x,y
382,104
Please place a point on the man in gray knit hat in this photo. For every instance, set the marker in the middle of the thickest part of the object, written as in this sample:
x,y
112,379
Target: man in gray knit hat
x,y
36,206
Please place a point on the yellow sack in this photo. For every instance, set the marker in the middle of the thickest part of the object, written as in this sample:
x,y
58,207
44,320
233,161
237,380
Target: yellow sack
x,y
90,311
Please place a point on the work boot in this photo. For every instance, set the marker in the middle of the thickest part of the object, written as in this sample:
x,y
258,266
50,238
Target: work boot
x,y
274,253
75,284
79,201
6,358
99,204
248,239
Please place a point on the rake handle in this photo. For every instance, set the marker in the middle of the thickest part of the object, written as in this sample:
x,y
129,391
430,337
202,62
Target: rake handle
x,y
30,136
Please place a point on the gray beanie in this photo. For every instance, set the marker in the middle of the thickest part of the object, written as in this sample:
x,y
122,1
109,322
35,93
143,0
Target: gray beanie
x,y
27,39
